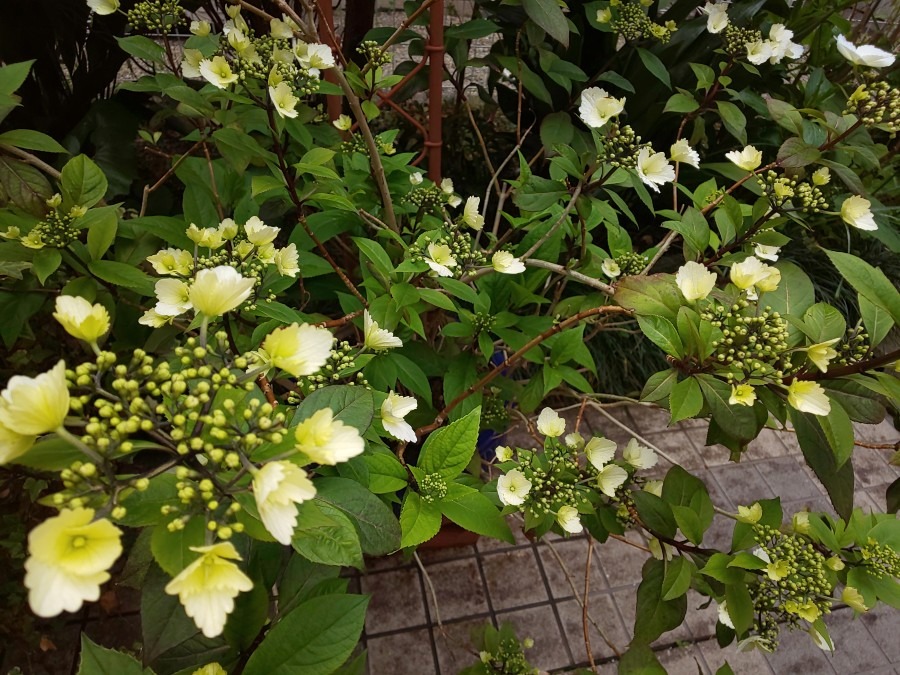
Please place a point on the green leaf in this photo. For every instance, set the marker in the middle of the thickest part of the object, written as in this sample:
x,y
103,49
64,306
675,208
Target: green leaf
x,y
469,508
838,481
50,454
448,450
471,30
419,520
640,660
350,405
685,400
838,430
143,506
740,607
82,182
824,323
46,262
681,103
374,252
31,140
142,47
314,639
870,282
325,535
694,228
655,513
97,660
659,385
654,615
24,185
557,129
548,15
662,333
856,399
379,531
386,473
677,579
655,66
649,295
733,119
795,154
877,321
13,75
122,274
102,225
794,295
738,420
689,499
171,550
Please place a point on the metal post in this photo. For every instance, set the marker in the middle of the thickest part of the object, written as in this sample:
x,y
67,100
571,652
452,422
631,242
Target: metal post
x,y
435,49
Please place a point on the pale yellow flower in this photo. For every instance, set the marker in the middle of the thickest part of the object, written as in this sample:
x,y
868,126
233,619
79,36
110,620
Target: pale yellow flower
x,y
821,176
440,259
604,15
173,297
568,519
513,488
209,237
864,55
742,394
750,514
284,100
103,7
325,440
748,159
80,318
610,478
208,586
695,281
287,261
682,152
13,445
716,16
550,423
259,233
766,252
190,63
610,268
471,216
377,338
597,107
856,211
278,487
503,453
298,349
172,261
506,263
69,556
343,123
393,411
854,599
822,353
639,456
30,406
217,72
201,28
600,451
219,290
654,169
808,397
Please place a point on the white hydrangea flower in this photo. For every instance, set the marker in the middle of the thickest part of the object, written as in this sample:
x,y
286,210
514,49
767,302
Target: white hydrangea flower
x,y
440,259
200,28
393,411
600,451
864,55
654,169
758,51
172,261
278,487
513,487
550,424
639,456
682,152
217,72
471,216
598,107
749,159
716,16
808,397
506,263
377,338
568,519
856,211
695,281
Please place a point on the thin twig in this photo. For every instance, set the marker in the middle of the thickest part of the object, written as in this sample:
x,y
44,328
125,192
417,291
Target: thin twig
x,y
562,217
584,608
575,276
149,189
28,158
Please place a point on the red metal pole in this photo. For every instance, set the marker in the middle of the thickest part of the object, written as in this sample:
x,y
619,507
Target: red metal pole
x,y
435,49
327,34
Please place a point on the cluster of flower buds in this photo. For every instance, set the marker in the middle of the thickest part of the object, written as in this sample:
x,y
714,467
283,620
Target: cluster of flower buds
x,y
876,104
156,16
57,229
630,20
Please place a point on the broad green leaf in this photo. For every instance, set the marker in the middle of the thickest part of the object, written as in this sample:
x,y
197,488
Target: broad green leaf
x,y
472,510
689,499
302,580
171,550
838,430
794,295
419,520
659,385
143,506
50,454
314,639
869,282
649,295
13,75
102,225
662,333
325,535
824,323
379,531
685,400
677,579
31,140
97,660
838,481
46,262
164,624
640,660
856,400
653,615
681,103
24,186
548,15
82,182
142,47
655,66
448,450
694,228
386,473
877,321
740,607
739,421
795,154
350,405
733,119
374,252
122,274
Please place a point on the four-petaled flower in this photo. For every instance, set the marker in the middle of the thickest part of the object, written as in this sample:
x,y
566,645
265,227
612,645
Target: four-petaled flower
x,y
513,488
600,451
219,290
377,338
654,169
550,423
809,397
694,281
597,107
856,211
217,71
393,411
278,487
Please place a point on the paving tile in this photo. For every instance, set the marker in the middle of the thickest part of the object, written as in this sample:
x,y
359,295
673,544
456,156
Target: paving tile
x,y
786,478
797,655
648,419
408,653
767,445
625,601
855,650
678,446
430,555
539,623
602,610
455,647
701,620
878,496
712,455
574,557
622,562
883,624
719,534
396,600
819,504
388,562
741,662
871,468
490,544
513,578
885,432
719,497
685,660
743,483
458,587
789,439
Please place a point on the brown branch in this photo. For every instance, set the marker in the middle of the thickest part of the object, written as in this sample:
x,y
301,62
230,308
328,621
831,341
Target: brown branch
x,y
584,606
851,369
149,189
28,158
513,358
266,387
334,323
